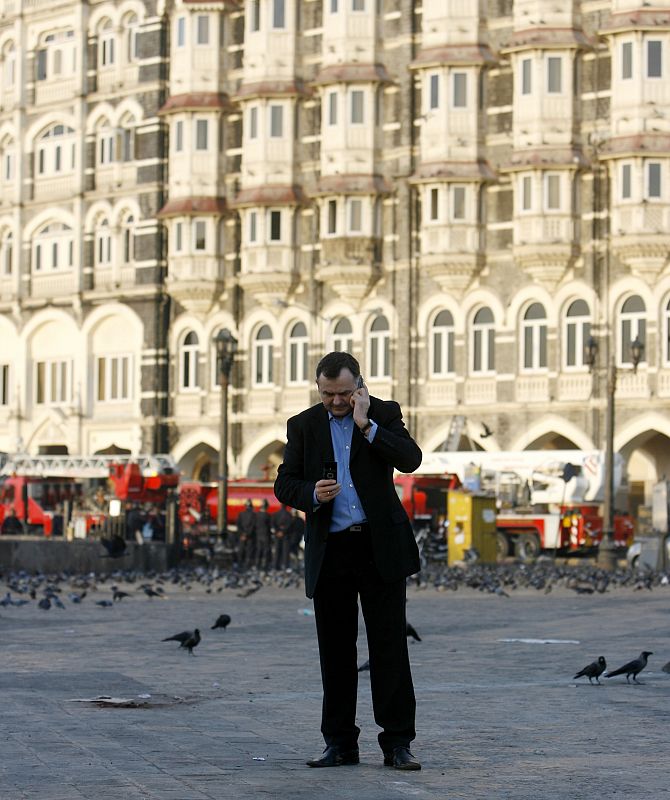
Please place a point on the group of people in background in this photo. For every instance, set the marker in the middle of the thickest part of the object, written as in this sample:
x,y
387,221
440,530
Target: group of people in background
x,y
268,541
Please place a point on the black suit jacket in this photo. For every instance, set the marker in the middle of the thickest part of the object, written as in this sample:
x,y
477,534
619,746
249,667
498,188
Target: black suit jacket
x,y
371,465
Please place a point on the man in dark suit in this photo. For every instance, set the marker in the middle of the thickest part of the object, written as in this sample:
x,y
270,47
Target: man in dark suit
x,y
358,543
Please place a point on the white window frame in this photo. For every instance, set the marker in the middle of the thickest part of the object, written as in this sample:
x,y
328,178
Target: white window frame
x,y
456,90
538,332
357,107
57,389
379,352
276,120
53,250
343,341
180,34
526,194
51,152
128,239
179,136
7,165
106,149
332,213
189,367
647,47
262,366
526,88
445,335
9,66
559,61
271,216
297,367
355,212
358,6
113,378
200,125
200,235
103,245
202,30
647,180
433,203
482,335
434,86
627,60
253,122
637,320
626,177
453,206
132,39
549,178
278,15
253,227
333,103
107,47
7,254
254,16
179,237
581,325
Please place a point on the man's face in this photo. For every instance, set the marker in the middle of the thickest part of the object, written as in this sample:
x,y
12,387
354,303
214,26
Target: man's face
x,y
336,393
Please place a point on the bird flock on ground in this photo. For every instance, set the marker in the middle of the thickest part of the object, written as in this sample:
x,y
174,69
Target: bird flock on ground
x,y
60,590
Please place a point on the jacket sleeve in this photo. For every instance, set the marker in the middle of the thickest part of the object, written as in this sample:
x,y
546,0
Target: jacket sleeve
x,y
392,442
290,486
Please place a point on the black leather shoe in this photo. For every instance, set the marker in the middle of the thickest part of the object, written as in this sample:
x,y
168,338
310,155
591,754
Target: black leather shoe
x,y
401,758
334,756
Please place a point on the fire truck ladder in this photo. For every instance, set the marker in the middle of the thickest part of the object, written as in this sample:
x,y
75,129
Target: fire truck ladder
x,y
83,466
455,430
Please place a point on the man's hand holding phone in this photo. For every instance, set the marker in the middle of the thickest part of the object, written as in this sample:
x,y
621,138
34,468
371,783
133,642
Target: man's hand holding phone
x,y
328,488
360,402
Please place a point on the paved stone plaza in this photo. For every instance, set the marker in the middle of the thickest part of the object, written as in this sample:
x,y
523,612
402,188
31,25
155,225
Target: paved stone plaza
x,y
495,719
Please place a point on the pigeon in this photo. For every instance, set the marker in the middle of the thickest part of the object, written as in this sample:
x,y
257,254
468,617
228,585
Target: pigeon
x,y
45,603
57,601
76,598
666,667
593,670
411,631
7,600
188,639
223,621
486,431
104,603
119,595
149,592
633,667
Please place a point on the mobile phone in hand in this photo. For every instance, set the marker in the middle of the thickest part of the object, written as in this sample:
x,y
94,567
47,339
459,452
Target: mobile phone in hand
x,y
360,383
330,470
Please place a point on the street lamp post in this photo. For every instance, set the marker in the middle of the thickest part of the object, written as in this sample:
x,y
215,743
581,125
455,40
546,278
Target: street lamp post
x,y
226,347
607,549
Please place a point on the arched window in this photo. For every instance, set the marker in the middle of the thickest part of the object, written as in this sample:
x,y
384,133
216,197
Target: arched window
x,y
6,253
55,153
297,353
7,160
53,248
262,365
535,337
576,334
127,138
105,144
379,349
442,345
131,25
128,239
343,339
632,325
103,244
482,342
8,59
188,367
106,45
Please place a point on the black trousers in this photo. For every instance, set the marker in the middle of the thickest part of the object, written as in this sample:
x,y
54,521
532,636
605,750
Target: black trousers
x,y
348,573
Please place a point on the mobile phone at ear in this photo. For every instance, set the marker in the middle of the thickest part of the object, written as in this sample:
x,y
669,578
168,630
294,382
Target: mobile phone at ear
x,y
360,383
330,470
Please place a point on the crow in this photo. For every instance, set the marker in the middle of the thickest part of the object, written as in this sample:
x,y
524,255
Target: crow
x,y
45,603
486,431
119,595
633,667
593,670
223,621
411,631
149,592
187,639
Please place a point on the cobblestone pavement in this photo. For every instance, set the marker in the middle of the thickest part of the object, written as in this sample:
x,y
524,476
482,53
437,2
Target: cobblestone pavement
x,y
495,719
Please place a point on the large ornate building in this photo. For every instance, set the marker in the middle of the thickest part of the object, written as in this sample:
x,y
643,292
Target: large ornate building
x,y
464,193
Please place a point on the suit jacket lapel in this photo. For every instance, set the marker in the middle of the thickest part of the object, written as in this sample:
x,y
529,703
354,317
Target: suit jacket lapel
x,y
320,425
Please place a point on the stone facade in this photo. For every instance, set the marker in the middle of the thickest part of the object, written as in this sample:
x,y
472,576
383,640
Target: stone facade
x,y
462,193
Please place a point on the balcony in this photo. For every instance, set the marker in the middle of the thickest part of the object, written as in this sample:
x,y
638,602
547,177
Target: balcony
x,y
350,265
575,386
268,273
545,247
195,281
532,389
440,392
451,255
480,391
60,284
640,238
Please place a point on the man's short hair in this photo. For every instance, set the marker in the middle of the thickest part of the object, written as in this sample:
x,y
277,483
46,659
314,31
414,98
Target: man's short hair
x,y
332,364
